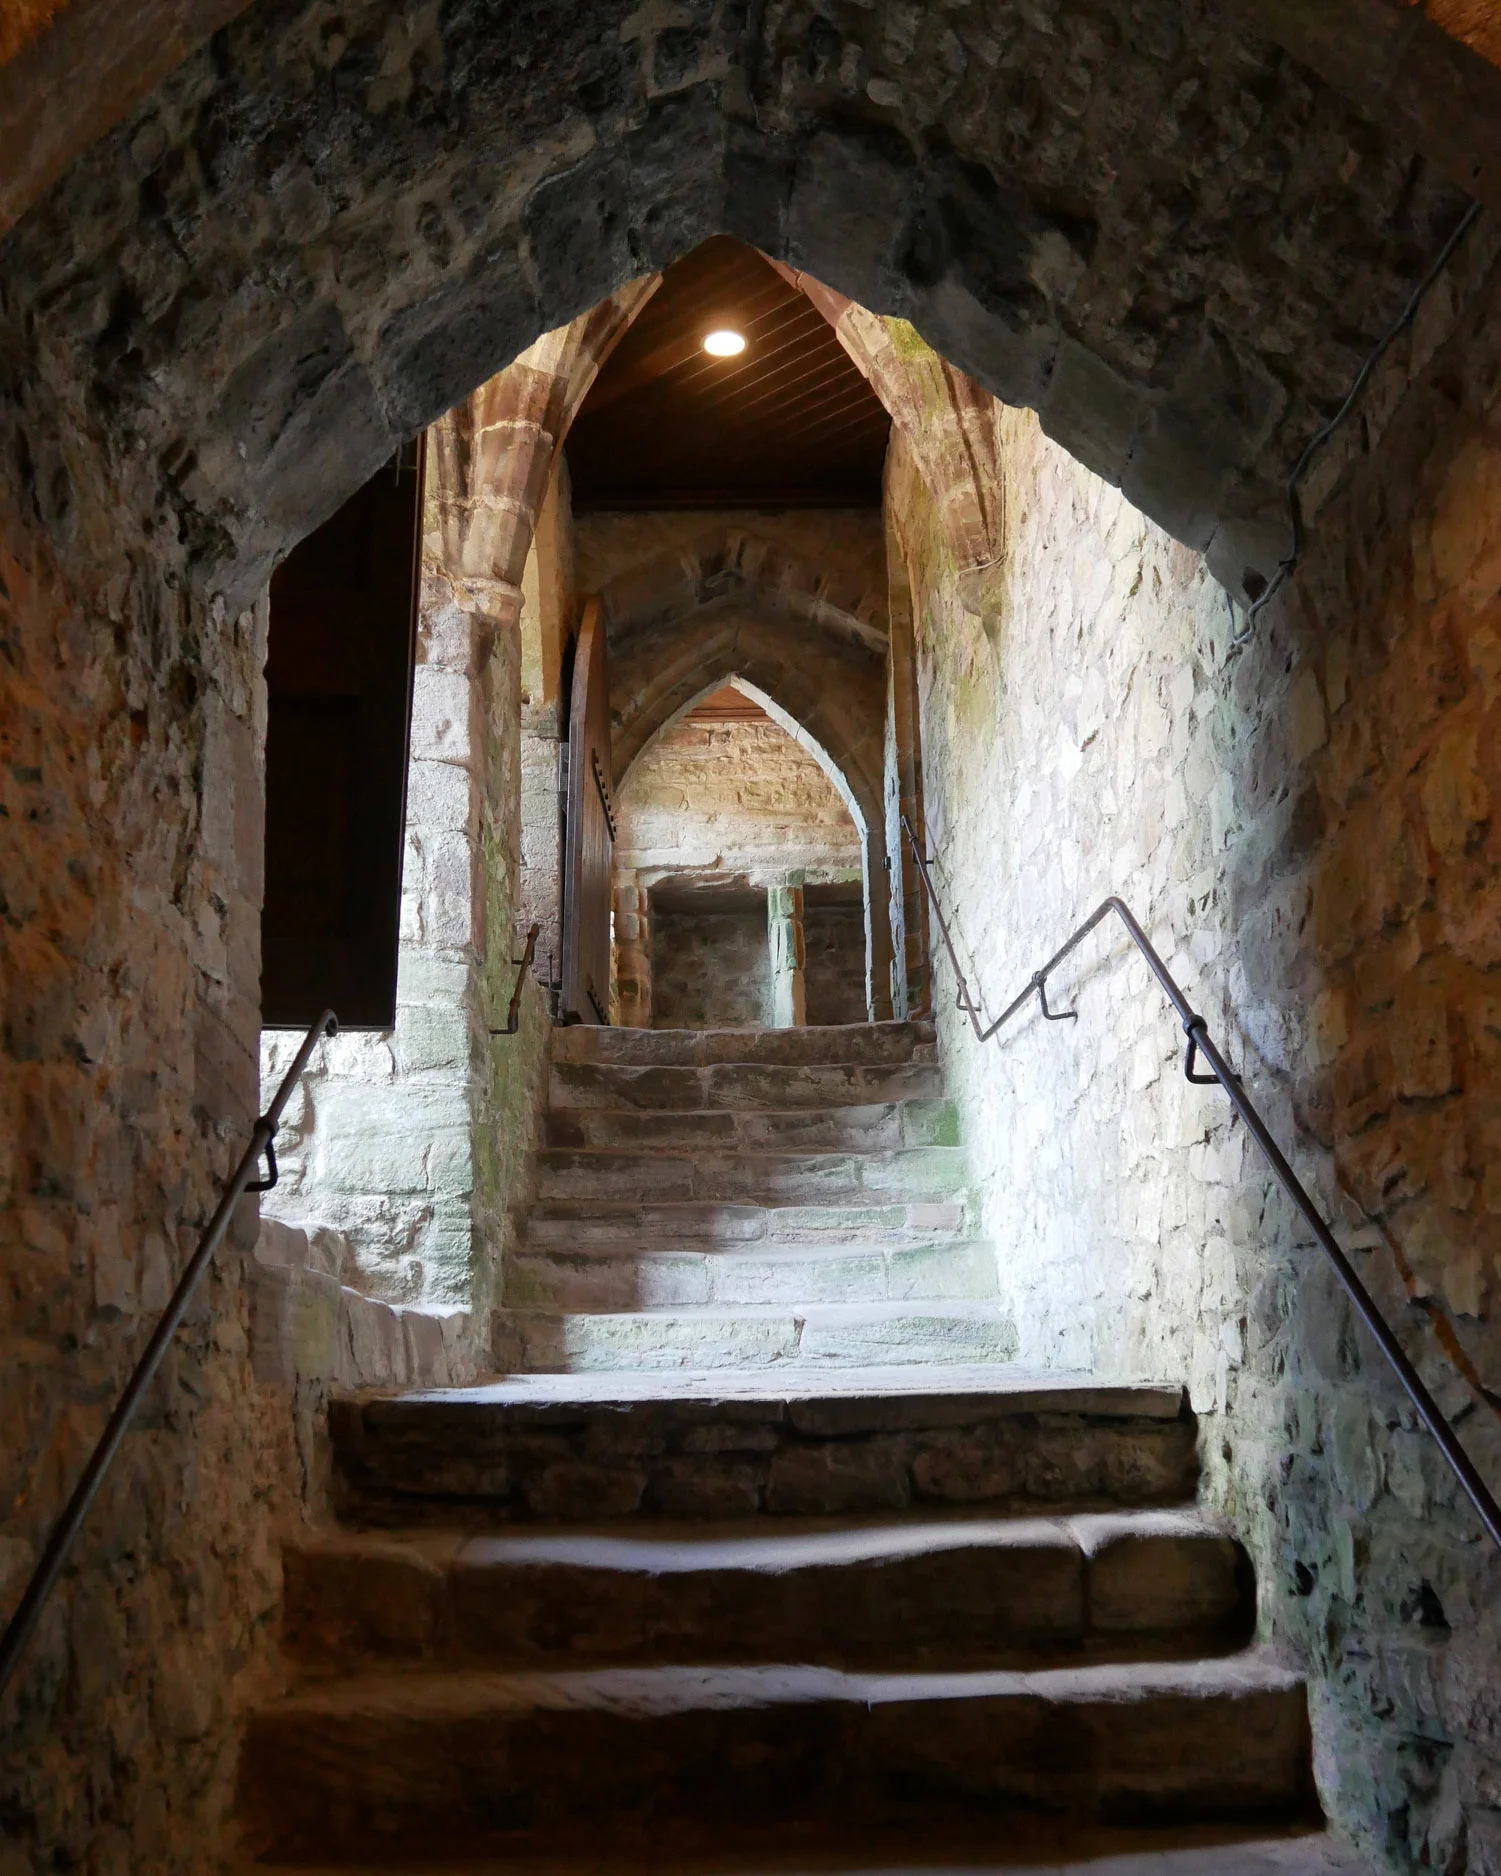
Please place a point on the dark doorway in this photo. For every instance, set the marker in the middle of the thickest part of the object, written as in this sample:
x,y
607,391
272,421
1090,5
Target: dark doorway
x,y
834,954
711,968
339,677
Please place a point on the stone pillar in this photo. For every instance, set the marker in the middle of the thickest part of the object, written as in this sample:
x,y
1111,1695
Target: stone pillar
x,y
632,953
911,992
541,881
784,922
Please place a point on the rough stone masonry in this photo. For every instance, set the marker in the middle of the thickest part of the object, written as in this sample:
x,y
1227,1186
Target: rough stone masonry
x,y
1305,825
1147,221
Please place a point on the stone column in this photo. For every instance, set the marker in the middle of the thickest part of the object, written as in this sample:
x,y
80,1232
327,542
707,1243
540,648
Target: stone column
x,y
632,953
784,922
911,992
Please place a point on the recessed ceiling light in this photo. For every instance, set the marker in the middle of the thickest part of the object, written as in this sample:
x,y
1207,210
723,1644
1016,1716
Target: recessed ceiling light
x,y
723,343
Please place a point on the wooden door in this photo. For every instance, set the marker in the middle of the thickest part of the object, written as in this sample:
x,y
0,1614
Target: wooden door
x,y
339,684
589,831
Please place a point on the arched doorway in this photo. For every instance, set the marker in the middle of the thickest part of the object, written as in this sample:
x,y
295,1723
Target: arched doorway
x,y
739,884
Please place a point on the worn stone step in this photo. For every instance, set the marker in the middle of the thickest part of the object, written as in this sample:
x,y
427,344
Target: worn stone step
x,y
645,1175
767,1085
909,1041
412,1757
565,1447
624,1274
919,1122
1027,1847
848,1334
572,1223
921,1593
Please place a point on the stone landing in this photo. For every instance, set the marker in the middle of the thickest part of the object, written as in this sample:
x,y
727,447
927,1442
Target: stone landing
x,y
791,1443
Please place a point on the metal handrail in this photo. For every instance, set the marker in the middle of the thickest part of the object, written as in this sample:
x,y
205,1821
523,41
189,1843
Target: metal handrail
x,y
1201,1043
44,1577
524,964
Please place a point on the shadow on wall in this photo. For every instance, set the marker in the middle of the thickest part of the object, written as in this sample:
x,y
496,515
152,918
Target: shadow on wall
x,y
834,941
710,961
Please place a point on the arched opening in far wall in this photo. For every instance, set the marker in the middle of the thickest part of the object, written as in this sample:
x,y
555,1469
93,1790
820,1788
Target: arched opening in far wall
x,y
741,893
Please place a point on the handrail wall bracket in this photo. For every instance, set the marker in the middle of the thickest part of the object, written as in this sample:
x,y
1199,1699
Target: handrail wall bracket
x,y
1201,1043
524,964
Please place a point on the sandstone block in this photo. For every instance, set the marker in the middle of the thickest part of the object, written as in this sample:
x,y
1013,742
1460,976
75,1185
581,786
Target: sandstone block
x,y
706,1487
573,1489
820,1480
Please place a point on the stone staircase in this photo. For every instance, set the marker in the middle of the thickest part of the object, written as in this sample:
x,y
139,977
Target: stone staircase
x,y
748,1198
747,1599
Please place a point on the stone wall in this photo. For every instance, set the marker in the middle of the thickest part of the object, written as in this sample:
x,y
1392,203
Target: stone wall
x,y
724,801
132,721
844,544
412,1145
833,948
1304,827
738,799
549,618
24,19
711,968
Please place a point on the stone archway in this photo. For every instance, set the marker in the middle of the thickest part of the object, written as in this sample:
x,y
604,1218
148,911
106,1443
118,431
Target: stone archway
x,y
308,244
241,326
831,694
717,840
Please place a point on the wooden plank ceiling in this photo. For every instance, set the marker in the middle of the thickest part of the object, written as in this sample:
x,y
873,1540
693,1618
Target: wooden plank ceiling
x,y
790,422
727,705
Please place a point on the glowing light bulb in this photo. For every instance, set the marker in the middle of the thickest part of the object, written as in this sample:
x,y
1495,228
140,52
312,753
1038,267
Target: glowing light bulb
x,y
723,343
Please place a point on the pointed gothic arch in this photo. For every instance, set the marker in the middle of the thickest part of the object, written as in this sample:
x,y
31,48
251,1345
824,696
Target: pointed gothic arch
x,y
829,696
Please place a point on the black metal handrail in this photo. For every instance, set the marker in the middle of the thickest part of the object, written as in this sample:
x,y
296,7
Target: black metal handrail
x,y
1201,1043
44,1577
523,964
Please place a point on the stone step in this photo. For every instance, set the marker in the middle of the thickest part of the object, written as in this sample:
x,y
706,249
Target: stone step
x,y
647,1175
768,1085
413,1758
910,1041
624,1274
835,1334
1027,1847
916,1123
570,1447
921,1593
573,1224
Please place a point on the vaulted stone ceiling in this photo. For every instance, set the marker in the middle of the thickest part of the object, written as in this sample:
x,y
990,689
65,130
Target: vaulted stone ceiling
x,y
1145,220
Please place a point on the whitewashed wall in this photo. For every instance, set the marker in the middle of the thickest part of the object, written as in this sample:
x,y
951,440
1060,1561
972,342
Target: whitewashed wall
x,y
1073,748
